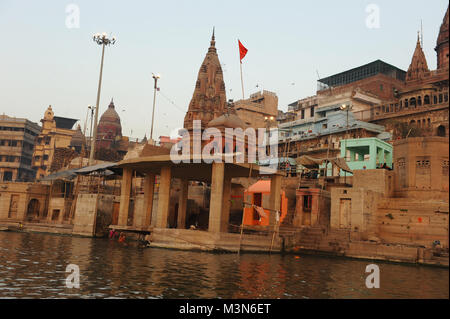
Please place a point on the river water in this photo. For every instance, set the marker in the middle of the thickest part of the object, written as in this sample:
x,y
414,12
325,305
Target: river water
x,y
34,266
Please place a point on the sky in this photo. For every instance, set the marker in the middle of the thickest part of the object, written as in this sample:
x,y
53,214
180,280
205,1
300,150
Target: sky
x,y
48,57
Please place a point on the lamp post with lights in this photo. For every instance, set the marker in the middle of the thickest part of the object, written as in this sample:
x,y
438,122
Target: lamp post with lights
x,y
103,40
155,77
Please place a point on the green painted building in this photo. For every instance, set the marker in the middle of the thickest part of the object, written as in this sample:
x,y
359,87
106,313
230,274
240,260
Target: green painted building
x,y
366,153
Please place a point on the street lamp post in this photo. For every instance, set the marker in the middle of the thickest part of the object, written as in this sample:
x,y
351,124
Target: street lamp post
x,y
92,118
85,121
103,40
155,77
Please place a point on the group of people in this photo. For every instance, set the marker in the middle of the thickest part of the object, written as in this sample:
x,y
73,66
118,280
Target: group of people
x,y
310,174
143,241
113,234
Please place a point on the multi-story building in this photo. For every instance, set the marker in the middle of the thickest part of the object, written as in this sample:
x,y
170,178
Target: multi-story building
x,y
420,106
413,103
56,133
362,87
258,111
321,136
17,137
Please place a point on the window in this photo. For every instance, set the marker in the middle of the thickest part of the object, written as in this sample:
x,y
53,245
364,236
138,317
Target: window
x,y
307,202
7,176
55,214
445,167
426,100
302,116
312,111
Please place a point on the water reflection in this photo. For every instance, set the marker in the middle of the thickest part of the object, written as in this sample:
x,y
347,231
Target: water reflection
x,y
33,266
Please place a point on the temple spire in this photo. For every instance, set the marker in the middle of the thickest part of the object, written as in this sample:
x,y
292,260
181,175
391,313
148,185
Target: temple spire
x,y
213,40
209,98
418,66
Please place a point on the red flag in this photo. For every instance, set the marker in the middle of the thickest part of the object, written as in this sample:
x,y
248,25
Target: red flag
x,y
242,50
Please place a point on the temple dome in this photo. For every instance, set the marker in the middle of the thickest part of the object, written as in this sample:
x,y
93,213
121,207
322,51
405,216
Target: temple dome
x,y
228,120
109,123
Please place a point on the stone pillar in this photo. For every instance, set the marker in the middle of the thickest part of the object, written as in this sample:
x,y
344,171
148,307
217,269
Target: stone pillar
x,y
125,196
275,197
164,197
216,200
314,206
373,156
226,204
388,156
182,204
149,187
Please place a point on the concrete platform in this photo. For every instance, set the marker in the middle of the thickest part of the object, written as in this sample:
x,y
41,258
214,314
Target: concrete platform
x,y
38,227
187,239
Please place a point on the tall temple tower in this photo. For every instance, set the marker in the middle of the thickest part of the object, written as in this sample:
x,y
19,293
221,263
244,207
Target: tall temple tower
x,y
442,49
418,66
209,99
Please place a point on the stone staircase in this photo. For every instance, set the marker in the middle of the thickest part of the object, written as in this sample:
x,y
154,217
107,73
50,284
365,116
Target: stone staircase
x,y
316,239
409,221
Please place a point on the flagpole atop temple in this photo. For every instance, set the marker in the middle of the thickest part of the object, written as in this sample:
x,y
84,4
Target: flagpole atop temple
x,y
242,82
242,52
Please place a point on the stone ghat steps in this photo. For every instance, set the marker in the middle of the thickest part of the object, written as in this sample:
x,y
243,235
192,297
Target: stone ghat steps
x,y
411,204
320,239
418,218
334,243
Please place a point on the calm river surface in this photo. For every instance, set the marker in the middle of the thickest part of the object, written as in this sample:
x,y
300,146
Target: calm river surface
x,y
34,266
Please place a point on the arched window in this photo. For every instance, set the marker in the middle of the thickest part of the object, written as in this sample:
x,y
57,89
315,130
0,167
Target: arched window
x,y
406,103
435,99
419,101
412,101
426,100
441,131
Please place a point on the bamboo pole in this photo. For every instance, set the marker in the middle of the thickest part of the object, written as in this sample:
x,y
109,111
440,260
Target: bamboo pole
x,y
242,231
274,232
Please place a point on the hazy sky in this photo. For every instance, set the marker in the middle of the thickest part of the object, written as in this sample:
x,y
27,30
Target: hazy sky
x,y
44,62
